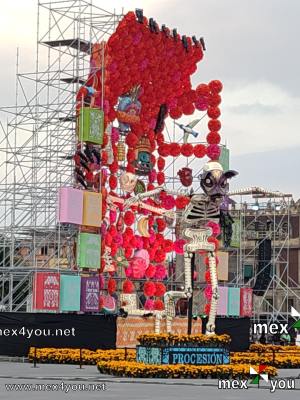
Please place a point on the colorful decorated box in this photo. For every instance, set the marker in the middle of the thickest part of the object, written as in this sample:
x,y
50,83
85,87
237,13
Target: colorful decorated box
x,y
233,302
91,125
88,250
92,209
46,288
223,301
89,298
246,304
70,206
69,293
222,269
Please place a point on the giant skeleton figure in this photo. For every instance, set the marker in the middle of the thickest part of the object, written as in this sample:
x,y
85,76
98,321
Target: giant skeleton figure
x,y
202,208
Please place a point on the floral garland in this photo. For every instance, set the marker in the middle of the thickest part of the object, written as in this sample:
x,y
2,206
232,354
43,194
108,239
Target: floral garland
x,y
170,339
138,370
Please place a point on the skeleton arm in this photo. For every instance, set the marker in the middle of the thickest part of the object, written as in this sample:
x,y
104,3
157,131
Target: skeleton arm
x,y
151,193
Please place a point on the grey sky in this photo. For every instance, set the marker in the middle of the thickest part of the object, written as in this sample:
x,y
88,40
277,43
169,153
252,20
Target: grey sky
x,y
252,47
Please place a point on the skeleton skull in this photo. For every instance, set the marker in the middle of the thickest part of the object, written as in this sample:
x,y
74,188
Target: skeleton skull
x,y
128,182
214,181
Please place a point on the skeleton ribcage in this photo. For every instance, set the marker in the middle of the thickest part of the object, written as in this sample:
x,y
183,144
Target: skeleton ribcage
x,y
201,211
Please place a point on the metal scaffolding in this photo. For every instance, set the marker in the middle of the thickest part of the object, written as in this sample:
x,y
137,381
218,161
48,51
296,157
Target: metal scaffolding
x,y
38,143
266,216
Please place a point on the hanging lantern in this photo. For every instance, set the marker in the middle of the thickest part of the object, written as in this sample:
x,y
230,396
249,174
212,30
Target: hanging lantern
x,y
121,151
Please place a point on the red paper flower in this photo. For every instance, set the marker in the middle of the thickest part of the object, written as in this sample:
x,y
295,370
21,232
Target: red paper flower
x,y
213,151
128,287
131,140
164,150
160,256
168,202
113,182
207,309
168,245
213,138
161,272
159,305
187,149
149,288
199,150
181,202
160,178
111,286
150,271
175,149
207,276
215,86
214,100
214,125
161,224
160,163
213,112
160,289
128,218
202,90
215,241
149,304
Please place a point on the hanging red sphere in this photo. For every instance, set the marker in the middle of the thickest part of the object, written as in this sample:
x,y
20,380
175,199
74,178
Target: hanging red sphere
x,y
215,86
203,90
199,150
213,138
213,112
214,125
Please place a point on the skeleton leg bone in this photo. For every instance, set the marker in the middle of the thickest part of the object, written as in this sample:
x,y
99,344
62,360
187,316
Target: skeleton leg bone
x,y
210,326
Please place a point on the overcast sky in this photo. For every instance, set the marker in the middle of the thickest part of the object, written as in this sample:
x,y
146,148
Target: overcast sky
x,y
252,47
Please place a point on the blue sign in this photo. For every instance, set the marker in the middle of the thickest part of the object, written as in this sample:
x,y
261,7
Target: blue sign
x,y
183,355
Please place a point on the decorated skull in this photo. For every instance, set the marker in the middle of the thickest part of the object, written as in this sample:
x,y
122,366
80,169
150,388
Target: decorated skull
x,y
128,182
214,181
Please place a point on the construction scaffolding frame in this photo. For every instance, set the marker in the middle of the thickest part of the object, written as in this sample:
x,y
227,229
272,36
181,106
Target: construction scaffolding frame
x,y
38,144
266,217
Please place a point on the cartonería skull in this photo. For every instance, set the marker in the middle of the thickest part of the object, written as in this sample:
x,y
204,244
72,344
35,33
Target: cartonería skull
x,y
214,181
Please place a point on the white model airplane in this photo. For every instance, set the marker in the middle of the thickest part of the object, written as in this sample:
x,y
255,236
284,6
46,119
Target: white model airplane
x,y
188,129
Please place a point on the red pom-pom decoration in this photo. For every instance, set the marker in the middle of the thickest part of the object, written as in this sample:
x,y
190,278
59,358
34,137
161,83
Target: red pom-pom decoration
x,y
214,125
160,256
213,138
164,150
207,276
207,309
131,140
113,182
168,245
150,271
213,151
128,218
128,287
214,100
149,288
111,286
215,86
187,149
213,112
202,90
159,305
181,202
160,289
161,224
160,178
175,149
199,150
160,163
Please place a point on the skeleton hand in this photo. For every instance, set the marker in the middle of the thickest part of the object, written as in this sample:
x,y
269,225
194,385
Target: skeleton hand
x,y
131,201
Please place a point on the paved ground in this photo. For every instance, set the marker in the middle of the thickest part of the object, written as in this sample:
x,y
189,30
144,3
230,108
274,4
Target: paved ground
x,y
122,388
